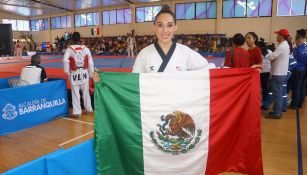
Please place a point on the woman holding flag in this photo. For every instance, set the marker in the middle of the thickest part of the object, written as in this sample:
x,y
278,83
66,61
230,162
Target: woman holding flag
x,y
166,55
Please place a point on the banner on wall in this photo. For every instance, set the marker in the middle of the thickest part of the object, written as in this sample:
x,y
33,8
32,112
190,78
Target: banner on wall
x,y
27,106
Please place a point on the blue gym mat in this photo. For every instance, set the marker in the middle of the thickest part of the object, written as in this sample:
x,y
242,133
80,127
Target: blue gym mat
x,y
100,63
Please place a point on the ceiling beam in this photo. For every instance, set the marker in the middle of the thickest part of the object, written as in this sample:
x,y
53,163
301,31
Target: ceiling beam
x,y
51,5
129,1
27,6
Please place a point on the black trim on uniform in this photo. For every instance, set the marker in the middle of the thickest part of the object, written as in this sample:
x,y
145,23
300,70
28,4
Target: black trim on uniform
x,y
165,58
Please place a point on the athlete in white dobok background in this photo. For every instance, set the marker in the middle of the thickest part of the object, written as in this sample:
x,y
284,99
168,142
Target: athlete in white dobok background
x,y
79,66
130,45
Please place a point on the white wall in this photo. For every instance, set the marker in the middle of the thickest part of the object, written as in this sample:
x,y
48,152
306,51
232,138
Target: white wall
x,y
261,26
291,23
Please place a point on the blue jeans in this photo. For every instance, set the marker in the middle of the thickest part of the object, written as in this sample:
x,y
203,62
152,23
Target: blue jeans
x,y
298,91
277,83
268,101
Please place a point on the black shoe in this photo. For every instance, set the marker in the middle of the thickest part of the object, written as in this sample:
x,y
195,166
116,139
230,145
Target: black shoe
x,y
264,108
75,115
291,107
284,110
270,115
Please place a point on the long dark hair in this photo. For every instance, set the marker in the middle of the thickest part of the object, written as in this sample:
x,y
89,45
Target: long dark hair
x,y
255,36
263,47
290,44
165,10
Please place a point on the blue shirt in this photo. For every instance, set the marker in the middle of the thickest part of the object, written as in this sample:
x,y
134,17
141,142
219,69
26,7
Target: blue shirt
x,y
292,63
300,54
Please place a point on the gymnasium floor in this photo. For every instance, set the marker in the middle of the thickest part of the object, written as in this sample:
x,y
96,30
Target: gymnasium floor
x,y
279,142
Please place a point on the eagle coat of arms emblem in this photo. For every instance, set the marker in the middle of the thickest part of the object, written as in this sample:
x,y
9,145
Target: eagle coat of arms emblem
x,y
176,134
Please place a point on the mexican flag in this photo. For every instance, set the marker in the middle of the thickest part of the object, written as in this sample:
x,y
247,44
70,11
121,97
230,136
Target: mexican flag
x,y
189,123
95,31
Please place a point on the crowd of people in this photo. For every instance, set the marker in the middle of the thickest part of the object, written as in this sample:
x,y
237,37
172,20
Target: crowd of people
x,y
119,45
282,69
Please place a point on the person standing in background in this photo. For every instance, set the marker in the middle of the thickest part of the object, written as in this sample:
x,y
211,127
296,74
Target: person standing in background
x,y
265,72
130,45
79,66
299,72
49,46
18,50
255,54
279,61
66,36
237,56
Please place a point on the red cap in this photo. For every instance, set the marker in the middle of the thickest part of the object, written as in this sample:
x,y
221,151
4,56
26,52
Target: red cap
x,y
283,32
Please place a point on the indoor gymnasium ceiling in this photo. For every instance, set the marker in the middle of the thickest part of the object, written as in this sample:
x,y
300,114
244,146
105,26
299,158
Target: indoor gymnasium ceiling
x,y
43,7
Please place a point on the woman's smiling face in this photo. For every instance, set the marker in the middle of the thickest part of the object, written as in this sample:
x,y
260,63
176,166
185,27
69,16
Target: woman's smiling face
x,y
165,28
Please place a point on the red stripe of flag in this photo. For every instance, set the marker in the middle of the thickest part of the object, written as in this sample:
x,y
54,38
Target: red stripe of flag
x,y
235,133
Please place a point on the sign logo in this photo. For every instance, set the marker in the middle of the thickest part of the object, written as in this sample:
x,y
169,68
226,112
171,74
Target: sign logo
x,y
152,68
9,112
176,133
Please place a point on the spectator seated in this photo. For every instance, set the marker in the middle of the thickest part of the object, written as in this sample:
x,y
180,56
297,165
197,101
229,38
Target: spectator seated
x,y
31,74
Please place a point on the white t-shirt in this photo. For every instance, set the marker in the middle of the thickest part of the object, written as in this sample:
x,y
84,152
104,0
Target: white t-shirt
x,y
31,74
280,59
266,62
183,59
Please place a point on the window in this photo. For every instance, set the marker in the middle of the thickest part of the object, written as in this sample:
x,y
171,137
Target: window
x,y
265,8
10,21
198,10
127,15
201,10
119,16
211,9
87,19
252,8
291,7
39,24
17,25
60,22
180,11
187,11
147,14
240,8
23,25
190,11
113,17
106,17
246,8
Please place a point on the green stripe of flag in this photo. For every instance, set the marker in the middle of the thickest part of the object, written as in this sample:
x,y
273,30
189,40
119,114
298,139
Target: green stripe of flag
x,y
118,139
